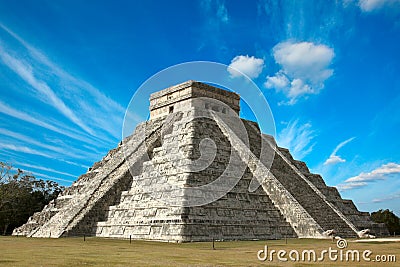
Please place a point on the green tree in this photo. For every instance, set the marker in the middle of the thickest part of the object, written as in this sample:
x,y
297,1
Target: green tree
x,y
389,218
21,194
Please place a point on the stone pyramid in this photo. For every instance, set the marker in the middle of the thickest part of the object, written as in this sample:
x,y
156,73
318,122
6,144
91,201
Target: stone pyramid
x,y
155,184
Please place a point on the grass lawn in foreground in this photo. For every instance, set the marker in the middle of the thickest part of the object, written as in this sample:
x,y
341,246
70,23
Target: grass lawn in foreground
x,y
21,251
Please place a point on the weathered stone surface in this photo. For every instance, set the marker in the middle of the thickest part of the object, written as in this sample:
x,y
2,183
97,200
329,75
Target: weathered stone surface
x,y
143,188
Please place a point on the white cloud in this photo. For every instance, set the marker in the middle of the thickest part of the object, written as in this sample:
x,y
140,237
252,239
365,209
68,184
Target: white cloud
x,y
304,69
377,174
304,59
333,158
351,185
374,5
297,138
279,81
250,66
298,87
363,179
369,5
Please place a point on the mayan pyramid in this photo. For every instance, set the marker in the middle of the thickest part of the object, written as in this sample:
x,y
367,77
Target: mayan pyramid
x,y
155,184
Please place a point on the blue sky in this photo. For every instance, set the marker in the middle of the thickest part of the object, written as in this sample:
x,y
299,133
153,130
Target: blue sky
x,y
329,70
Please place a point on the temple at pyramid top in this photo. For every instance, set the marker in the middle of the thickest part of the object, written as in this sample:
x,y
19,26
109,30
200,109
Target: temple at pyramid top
x,y
175,97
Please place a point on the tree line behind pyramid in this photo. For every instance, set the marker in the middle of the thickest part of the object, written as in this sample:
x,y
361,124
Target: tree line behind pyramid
x,y
145,188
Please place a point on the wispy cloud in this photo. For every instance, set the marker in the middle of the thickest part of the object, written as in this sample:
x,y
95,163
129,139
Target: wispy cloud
x,y
79,118
16,164
333,158
49,177
74,163
304,69
65,92
222,12
61,150
363,179
39,120
10,148
388,198
25,71
218,8
99,96
250,66
25,149
375,5
350,185
216,20
298,138
302,20
45,176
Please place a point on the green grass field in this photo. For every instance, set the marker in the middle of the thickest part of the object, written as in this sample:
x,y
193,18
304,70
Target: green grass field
x,y
20,251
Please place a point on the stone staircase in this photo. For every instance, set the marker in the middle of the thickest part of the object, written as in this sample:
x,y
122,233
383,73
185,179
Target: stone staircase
x,y
94,187
316,206
310,197
303,224
66,219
